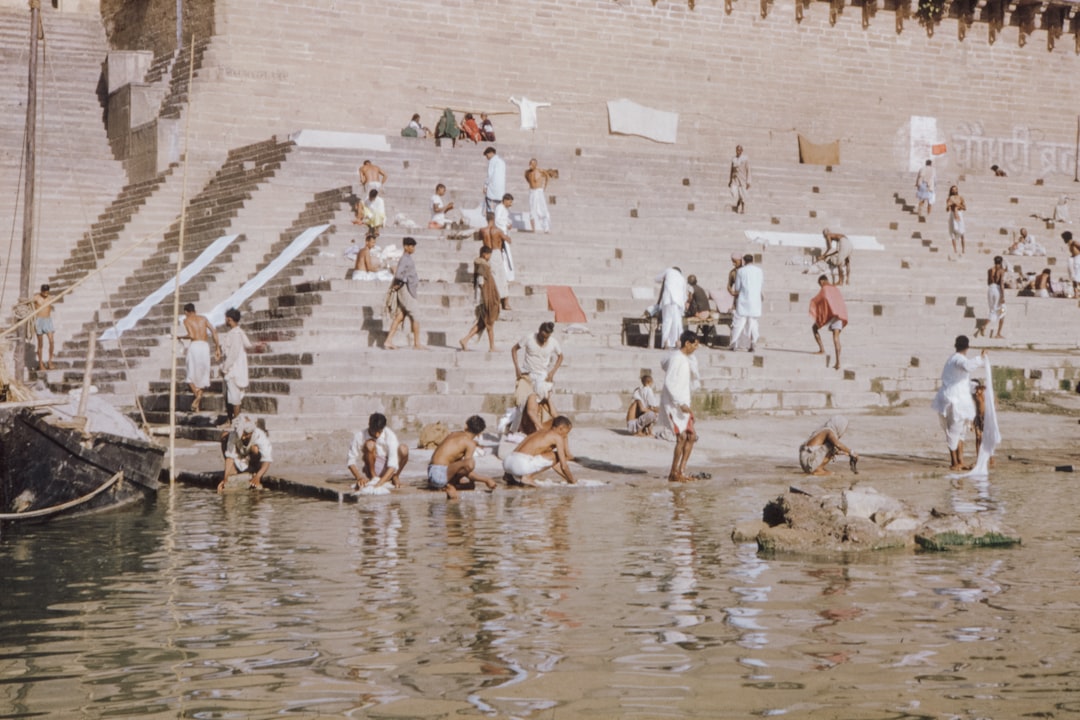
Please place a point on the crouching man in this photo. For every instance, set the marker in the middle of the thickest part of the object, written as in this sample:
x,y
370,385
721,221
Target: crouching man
x,y
544,449
453,466
379,453
247,450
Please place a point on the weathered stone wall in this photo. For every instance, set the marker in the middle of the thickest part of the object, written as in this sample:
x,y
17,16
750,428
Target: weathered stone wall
x,y
151,24
277,66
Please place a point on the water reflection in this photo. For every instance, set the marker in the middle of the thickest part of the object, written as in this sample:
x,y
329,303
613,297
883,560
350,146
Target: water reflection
x,y
625,603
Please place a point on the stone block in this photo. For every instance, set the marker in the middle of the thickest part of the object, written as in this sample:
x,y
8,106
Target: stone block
x,y
124,67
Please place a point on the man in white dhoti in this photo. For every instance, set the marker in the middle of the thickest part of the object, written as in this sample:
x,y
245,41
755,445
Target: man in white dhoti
x,y
499,242
680,369
1074,260
504,224
672,305
953,402
495,184
539,216
924,187
197,367
995,295
749,284
234,368
739,180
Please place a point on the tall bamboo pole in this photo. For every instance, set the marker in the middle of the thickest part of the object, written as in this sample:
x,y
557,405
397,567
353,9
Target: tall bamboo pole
x,y
176,279
27,255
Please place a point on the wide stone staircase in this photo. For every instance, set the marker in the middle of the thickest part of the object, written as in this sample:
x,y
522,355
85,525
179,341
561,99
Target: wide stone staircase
x,y
321,334
210,214
77,176
612,234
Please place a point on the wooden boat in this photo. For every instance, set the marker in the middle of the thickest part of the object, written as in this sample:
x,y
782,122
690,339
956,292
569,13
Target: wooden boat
x,y
57,460
52,468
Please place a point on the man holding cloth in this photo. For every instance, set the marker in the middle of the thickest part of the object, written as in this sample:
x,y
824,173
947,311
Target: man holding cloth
x,y
953,402
829,311
407,286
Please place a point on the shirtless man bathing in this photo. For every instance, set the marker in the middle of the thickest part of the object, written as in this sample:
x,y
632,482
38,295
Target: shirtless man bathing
x,y
199,331
544,449
43,326
452,466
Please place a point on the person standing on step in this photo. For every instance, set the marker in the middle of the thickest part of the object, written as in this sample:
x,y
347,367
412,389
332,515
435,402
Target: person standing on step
x,y
539,216
1074,261
829,311
924,187
234,347
671,305
495,184
197,366
372,176
995,295
406,287
749,288
680,370
953,402
739,180
375,455
955,207
487,301
498,241
43,326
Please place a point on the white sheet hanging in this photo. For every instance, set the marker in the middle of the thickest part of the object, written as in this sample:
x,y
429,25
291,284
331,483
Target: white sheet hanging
x,y
626,117
138,312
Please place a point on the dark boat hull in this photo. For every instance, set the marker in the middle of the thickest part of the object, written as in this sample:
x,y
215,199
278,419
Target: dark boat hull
x,y
47,465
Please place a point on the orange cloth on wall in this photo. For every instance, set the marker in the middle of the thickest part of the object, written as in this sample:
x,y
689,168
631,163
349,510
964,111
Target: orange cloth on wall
x,y
814,154
564,303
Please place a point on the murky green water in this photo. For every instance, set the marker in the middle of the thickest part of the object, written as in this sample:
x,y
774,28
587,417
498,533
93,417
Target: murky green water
x,y
617,603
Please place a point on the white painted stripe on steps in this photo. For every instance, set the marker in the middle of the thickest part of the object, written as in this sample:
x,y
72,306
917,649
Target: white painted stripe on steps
x,y
808,240
339,140
297,246
139,311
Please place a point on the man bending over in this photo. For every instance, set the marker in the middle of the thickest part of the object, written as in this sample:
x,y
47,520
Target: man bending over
x,y
452,466
538,452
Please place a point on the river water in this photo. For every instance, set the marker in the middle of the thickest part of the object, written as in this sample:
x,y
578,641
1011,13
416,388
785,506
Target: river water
x,y
624,602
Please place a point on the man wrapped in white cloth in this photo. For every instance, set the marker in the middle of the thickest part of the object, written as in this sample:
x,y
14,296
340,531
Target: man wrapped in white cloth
x,y
495,184
681,374
953,402
749,284
1074,260
644,409
234,367
674,293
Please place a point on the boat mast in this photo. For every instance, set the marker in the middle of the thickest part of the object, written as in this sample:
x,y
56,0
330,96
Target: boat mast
x,y
27,254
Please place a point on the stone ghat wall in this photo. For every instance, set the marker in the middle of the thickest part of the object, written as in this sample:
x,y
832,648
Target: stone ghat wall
x,y
279,65
151,24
